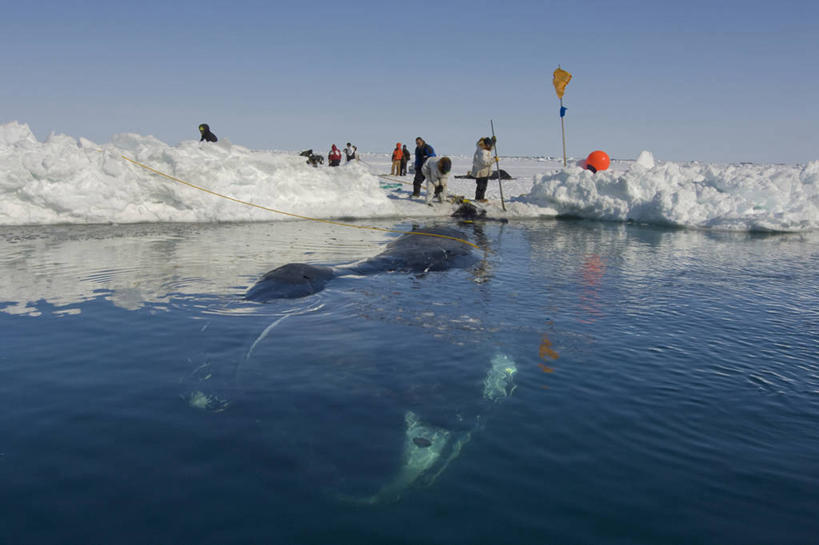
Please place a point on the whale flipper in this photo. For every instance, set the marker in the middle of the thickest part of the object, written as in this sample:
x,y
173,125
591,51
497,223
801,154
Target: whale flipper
x,y
428,450
499,382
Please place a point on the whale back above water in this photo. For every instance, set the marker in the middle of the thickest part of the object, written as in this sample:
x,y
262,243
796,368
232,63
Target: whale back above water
x,y
290,282
410,253
421,253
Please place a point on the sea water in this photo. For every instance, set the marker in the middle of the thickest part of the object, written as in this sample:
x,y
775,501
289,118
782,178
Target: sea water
x,y
585,382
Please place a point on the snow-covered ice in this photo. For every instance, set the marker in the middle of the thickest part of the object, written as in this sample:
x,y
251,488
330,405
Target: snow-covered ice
x,y
76,181
742,197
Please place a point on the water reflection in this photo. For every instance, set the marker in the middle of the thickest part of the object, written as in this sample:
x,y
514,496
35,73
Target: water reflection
x,y
580,264
547,353
592,272
482,272
133,266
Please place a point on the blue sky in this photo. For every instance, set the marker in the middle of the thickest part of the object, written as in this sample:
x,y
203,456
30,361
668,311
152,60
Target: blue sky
x,y
689,80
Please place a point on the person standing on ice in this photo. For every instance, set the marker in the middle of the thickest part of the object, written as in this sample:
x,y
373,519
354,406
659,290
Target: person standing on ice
x,y
349,152
405,155
334,157
207,136
482,167
423,151
397,154
436,171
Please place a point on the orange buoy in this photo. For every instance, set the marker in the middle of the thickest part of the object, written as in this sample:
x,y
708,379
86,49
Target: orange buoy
x,y
597,160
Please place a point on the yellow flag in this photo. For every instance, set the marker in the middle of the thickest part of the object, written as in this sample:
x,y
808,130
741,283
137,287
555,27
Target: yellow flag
x,y
561,80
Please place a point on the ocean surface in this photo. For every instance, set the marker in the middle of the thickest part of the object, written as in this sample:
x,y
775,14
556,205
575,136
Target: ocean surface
x,y
585,382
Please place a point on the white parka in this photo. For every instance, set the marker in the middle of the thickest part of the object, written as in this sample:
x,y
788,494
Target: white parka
x,y
434,177
482,163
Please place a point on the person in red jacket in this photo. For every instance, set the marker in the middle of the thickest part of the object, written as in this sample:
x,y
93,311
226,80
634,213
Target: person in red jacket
x,y
334,157
397,154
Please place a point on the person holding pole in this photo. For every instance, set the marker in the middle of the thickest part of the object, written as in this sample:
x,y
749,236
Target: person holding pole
x,y
482,167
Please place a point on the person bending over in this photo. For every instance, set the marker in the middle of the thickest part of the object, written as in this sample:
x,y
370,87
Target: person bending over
x,y
207,136
436,171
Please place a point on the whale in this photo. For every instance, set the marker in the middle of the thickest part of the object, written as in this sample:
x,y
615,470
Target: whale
x,y
410,253
432,439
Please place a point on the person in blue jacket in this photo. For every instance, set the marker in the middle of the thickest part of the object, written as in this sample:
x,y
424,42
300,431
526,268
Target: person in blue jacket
x,y
423,151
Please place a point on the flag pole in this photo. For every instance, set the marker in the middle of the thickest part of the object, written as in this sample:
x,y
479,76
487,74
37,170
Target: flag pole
x,y
563,130
497,165
560,80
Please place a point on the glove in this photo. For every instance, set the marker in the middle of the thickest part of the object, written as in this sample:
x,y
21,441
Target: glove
x,y
497,159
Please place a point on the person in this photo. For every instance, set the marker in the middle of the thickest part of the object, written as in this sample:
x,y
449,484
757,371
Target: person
x,y
436,171
312,159
349,152
423,151
334,157
397,154
482,167
405,154
208,136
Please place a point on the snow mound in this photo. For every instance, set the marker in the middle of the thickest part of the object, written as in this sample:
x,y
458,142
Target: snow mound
x,y
738,197
65,180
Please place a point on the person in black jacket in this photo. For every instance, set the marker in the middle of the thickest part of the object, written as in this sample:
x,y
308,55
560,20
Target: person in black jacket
x,y
404,160
423,151
349,152
208,136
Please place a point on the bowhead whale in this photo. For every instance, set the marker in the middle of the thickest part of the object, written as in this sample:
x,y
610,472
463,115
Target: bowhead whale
x,y
409,253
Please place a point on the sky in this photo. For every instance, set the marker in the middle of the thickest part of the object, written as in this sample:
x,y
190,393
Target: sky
x,y
687,80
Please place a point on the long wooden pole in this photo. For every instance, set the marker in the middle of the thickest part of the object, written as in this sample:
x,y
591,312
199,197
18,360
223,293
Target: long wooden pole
x,y
497,166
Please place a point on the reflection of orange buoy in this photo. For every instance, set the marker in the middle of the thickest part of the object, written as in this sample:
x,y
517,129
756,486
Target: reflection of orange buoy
x,y
597,160
545,349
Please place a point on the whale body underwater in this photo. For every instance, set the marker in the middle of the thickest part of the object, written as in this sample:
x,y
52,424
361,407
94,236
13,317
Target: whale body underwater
x,y
430,440
409,253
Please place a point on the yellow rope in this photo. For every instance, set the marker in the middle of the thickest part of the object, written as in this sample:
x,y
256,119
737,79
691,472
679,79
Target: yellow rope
x,y
370,227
